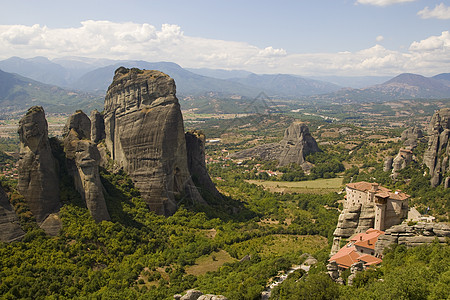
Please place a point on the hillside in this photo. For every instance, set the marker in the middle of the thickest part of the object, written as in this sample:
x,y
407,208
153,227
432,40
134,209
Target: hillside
x,y
17,93
403,86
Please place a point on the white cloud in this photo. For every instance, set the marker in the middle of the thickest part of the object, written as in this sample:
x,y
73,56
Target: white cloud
x,y
433,44
104,39
382,2
438,12
379,38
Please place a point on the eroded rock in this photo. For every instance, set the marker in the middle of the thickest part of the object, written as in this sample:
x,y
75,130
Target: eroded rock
x,y
38,169
295,145
83,159
195,145
414,235
10,229
97,126
436,157
145,135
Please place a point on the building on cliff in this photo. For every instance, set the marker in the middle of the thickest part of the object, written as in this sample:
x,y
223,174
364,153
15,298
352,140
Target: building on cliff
x,y
390,208
369,205
360,248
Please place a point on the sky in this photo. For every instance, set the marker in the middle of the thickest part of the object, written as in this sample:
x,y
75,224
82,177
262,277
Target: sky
x,y
303,37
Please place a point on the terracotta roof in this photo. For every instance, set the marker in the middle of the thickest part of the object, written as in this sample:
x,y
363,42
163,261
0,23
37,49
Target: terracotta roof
x,y
382,192
349,254
346,260
369,259
365,186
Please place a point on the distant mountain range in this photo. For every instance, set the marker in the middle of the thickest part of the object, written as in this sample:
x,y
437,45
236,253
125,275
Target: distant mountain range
x,y
18,93
403,86
95,75
66,83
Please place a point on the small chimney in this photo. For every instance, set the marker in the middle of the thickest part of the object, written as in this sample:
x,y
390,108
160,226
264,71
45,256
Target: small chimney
x,y
374,187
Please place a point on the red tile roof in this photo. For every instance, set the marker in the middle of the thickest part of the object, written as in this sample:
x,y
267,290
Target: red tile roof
x,y
382,192
349,254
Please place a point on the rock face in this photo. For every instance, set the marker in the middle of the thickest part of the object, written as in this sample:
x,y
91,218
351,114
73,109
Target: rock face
x,y
403,159
352,220
295,145
38,169
195,145
83,159
411,236
411,136
97,126
10,229
436,157
145,135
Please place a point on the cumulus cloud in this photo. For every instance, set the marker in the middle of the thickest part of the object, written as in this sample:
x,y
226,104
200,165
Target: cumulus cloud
x,y
382,2
104,39
440,11
379,38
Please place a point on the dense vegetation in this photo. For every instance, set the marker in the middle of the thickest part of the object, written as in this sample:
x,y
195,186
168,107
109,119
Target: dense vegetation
x,y
416,273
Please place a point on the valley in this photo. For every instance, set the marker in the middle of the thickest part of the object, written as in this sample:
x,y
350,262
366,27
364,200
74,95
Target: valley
x,y
264,217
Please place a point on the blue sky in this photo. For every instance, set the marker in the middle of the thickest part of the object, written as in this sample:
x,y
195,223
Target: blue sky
x,y
339,37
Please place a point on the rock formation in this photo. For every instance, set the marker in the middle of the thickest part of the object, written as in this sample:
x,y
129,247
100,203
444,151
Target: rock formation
x,y
145,135
295,145
195,145
83,159
403,159
38,169
411,236
97,126
411,136
352,220
387,165
436,157
10,229
197,295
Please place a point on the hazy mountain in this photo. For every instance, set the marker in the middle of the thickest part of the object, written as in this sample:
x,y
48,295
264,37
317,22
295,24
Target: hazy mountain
x,y
37,68
403,86
287,85
355,82
219,73
18,93
187,83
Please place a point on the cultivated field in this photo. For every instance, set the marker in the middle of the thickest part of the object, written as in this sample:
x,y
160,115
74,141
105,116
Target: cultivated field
x,y
318,186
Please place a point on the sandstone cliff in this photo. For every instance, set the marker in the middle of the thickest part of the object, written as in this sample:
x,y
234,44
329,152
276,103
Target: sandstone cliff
x,y
436,157
10,229
97,126
352,220
295,145
83,159
411,136
411,236
145,135
195,145
38,170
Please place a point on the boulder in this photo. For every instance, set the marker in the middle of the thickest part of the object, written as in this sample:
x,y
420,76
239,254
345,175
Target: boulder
x,y
145,136
83,159
412,236
10,229
38,169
